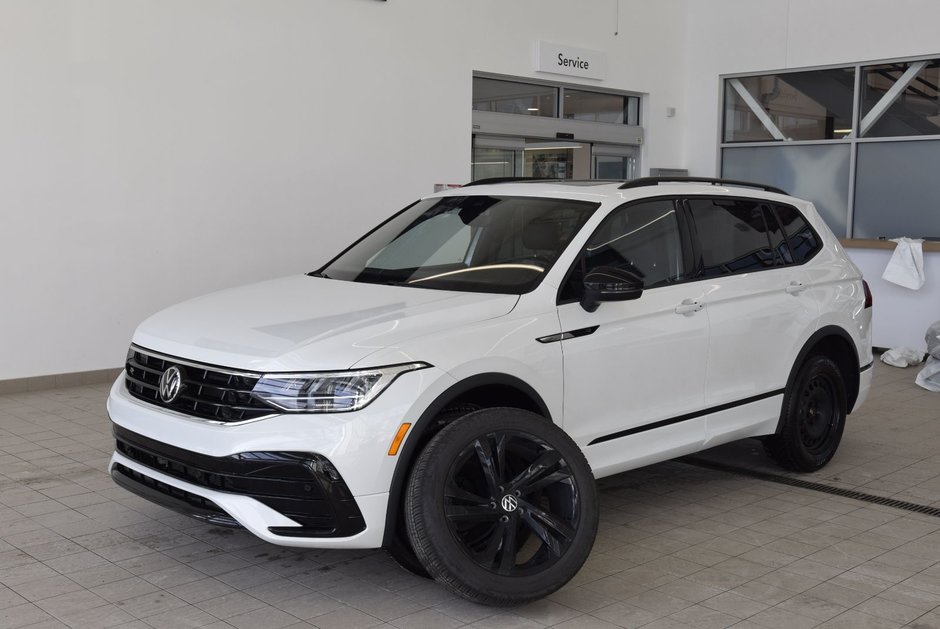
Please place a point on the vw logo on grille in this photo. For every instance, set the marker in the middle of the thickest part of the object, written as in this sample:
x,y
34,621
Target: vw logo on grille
x,y
509,503
170,384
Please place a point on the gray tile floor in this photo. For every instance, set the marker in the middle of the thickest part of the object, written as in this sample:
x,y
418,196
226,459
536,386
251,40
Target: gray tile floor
x,y
679,545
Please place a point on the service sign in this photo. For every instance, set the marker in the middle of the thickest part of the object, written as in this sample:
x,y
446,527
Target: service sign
x,y
561,59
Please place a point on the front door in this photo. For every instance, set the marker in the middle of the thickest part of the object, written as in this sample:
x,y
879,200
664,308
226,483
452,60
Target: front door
x,y
634,369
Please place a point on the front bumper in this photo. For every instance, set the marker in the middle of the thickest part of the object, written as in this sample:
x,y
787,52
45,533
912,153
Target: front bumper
x,y
301,486
172,457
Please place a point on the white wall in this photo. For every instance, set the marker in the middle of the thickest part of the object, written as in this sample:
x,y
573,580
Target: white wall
x,y
729,36
154,150
900,316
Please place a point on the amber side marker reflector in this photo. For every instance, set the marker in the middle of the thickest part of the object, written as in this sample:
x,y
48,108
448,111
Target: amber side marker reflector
x,y
399,437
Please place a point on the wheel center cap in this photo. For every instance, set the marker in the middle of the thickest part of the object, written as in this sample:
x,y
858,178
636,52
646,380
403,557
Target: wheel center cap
x,y
509,503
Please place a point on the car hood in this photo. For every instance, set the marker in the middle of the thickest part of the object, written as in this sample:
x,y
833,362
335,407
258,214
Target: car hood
x,y
307,323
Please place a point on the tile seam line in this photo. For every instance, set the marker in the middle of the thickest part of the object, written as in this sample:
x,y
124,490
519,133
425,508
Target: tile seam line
x,y
813,486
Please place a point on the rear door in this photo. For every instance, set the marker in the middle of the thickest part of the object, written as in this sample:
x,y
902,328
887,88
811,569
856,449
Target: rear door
x,y
758,312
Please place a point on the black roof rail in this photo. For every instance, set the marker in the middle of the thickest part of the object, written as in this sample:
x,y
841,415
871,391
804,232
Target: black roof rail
x,y
655,181
483,182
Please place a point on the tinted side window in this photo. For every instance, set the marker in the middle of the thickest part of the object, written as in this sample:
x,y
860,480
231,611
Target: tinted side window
x,y
642,238
803,242
778,239
734,236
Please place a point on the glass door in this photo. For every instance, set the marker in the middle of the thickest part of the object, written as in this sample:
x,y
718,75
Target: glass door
x,y
614,162
557,160
489,163
496,157
507,156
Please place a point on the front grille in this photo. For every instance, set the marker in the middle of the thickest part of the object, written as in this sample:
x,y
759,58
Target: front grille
x,y
207,392
302,486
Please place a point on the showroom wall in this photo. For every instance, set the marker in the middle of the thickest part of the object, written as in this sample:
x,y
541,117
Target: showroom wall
x,y
154,150
730,36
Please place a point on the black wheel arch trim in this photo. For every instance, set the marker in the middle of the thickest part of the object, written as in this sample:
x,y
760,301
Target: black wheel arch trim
x,y
409,450
808,347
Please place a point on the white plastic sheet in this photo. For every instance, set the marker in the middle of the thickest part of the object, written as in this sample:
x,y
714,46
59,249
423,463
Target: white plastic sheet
x,y
906,266
929,376
902,357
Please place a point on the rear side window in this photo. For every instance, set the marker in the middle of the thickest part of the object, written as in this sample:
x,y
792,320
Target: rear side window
x,y
802,241
736,236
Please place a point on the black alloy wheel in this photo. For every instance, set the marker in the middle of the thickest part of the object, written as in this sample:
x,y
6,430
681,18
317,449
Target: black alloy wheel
x,y
511,501
812,418
501,507
817,413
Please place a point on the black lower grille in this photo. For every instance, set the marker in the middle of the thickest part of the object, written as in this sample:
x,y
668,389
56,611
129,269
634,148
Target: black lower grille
x,y
171,497
206,391
302,486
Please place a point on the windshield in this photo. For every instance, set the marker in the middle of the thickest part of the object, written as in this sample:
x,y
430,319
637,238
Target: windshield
x,y
466,243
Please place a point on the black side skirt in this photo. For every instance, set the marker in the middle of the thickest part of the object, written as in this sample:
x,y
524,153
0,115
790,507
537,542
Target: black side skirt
x,y
686,417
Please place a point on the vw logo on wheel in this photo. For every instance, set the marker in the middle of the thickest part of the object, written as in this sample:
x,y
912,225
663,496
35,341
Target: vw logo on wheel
x,y
509,503
170,384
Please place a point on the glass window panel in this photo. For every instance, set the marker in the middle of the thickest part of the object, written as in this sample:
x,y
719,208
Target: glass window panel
x,y
442,239
812,105
642,238
509,97
633,110
472,243
733,236
896,189
549,163
801,238
489,163
817,173
614,167
916,110
778,243
600,107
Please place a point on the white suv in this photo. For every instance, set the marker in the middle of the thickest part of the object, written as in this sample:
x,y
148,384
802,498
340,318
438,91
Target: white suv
x,y
449,386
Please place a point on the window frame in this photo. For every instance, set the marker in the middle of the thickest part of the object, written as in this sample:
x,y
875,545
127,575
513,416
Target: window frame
x,y
560,88
852,139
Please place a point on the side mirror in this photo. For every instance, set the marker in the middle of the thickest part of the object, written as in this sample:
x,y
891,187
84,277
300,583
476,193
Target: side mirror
x,y
607,283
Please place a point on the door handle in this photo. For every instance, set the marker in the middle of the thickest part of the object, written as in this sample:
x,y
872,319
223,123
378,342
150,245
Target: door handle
x,y
795,288
689,307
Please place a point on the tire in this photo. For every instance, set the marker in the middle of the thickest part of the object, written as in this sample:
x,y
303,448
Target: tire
x,y
400,549
501,507
812,419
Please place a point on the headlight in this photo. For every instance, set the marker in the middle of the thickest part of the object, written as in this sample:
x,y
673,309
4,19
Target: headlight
x,y
332,392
